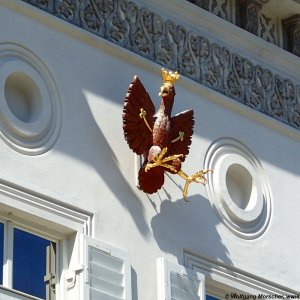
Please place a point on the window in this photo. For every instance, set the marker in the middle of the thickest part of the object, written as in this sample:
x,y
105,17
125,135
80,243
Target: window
x,y
50,230
30,257
178,282
222,280
1,250
209,297
28,261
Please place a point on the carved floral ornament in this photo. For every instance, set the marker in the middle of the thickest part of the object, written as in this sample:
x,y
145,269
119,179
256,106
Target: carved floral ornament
x,y
171,45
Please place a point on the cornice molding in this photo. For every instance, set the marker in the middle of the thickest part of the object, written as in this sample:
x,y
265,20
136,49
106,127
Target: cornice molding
x,y
16,197
221,276
173,46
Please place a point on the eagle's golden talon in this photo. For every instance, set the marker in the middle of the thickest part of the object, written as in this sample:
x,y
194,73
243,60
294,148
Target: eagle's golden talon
x,y
169,158
150,166
160,161
185,191
163,152
197,177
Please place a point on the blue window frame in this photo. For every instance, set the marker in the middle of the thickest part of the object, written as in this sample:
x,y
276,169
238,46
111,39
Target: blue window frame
x,y
208,297
1,250
29,263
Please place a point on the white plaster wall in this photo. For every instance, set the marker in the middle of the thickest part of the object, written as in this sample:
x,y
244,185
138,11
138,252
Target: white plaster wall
x,y
91,167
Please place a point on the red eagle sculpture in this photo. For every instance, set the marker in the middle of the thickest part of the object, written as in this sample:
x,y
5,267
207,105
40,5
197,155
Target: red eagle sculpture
x,y
163,140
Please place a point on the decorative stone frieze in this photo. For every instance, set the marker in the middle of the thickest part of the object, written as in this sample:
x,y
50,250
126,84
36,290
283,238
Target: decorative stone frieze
x,y
291,27
201,3
267,29
220,8
252,18
250,14
43,4
249,17
173,46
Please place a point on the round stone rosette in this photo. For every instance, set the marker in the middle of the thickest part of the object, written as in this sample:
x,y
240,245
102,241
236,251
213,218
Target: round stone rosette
x,y
238,188
30,108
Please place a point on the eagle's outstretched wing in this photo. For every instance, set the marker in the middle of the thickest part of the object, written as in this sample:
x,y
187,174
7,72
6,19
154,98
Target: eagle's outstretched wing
x,y
136,132
182,122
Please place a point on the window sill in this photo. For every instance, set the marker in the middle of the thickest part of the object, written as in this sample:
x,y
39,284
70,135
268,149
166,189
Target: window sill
x,y
9,294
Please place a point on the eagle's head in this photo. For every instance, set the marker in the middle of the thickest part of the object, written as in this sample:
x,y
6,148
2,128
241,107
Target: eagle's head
x,y
167,90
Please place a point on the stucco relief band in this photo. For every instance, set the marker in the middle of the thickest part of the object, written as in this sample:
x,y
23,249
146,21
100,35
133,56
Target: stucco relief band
x,y
173,46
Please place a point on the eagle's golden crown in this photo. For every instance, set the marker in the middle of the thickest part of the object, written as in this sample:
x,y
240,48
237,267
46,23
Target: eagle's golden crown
x,y
169,76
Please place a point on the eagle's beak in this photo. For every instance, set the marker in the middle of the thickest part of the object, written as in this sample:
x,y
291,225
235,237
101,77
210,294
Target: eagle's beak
x,y
164,90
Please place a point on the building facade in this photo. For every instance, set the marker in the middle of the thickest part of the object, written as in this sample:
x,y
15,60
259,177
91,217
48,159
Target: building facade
x,y
73,222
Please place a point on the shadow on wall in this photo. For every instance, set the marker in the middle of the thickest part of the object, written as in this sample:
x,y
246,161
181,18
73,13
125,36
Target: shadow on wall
x,y
189,226
83,138
175,218
93,149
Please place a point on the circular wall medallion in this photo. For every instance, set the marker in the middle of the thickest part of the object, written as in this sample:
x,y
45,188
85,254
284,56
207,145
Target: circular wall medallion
x,y
238,188
30,109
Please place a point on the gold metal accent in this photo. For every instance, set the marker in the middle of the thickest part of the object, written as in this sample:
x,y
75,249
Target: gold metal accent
x,y
169,76
142,115
159,161
180,137
197,177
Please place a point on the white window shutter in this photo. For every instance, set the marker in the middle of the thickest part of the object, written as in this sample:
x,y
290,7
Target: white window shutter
x,y
107,271
176,282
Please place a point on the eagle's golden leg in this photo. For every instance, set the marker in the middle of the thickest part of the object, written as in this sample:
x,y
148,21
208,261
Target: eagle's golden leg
x,y
197,177
162,162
